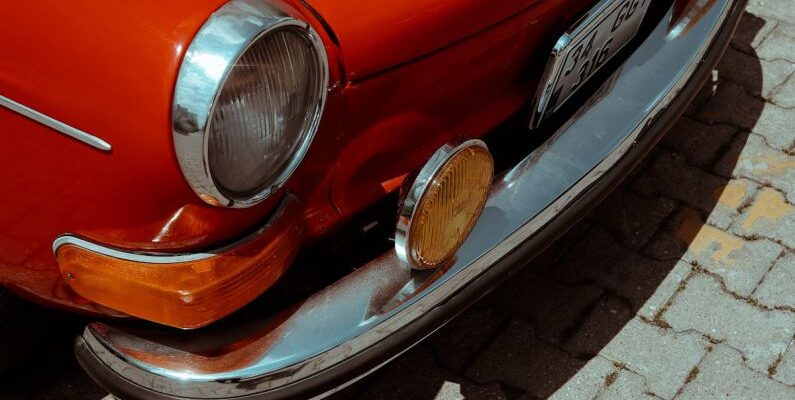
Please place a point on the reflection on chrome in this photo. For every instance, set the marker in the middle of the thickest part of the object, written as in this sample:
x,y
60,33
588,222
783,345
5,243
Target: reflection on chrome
x,y
203,114
686,15
53,123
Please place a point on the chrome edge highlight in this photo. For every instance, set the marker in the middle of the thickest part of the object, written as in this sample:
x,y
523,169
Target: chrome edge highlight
x,y
220,42
53,123
170,258
418,189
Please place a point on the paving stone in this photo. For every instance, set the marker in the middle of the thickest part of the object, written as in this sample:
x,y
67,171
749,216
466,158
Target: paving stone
x,y
776,126
665,246
519,359
770,216
741,263
733,105
601,325
450,391
775,74
700,143
458,343
778,288
348,393
786,29
785,372
602,261
553,308
665,291
781,10
722,375
785,95
729,199
727,163
704,95
61,381
703,305
631,218
759,77
664,357
751,31
761,163
547,261
416,376
671,176
626,385
777,46
588,382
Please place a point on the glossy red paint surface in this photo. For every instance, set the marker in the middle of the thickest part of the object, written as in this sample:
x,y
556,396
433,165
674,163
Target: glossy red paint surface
x,y
403,116
377,35
406,77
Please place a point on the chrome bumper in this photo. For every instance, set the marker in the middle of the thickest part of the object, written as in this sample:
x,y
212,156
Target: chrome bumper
x,y
371,316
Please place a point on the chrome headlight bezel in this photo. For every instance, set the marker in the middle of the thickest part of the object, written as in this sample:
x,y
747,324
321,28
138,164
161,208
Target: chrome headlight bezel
x,y
217,47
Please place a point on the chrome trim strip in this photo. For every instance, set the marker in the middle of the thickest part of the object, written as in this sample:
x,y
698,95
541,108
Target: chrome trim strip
x,y
370,305
53,123
171,258
125,255
220,42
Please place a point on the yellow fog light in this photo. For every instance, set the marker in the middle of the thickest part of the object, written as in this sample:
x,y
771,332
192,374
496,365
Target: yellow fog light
x,y
443,204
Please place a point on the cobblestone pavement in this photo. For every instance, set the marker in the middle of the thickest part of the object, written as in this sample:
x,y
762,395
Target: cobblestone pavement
x,y
681,285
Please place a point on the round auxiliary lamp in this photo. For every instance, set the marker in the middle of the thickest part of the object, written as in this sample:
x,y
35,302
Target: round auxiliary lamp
x,y
443,204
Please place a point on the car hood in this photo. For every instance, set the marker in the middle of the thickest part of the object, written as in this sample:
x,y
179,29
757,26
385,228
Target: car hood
x,y
377,35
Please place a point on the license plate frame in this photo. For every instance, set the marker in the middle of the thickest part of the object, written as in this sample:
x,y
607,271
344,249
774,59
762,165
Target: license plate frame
x,y
583,50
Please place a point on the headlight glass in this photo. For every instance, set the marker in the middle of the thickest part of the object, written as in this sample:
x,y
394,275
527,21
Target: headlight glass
x,y
248,99
263,117
443,204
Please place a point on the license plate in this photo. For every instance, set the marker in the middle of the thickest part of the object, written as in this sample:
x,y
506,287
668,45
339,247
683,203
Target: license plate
x,y
584,50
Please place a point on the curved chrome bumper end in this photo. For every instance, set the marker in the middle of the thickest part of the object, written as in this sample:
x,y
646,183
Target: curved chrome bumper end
x,y
374,314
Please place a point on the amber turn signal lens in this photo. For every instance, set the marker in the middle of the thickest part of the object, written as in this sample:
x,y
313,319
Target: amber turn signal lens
x,y
183,291
444,204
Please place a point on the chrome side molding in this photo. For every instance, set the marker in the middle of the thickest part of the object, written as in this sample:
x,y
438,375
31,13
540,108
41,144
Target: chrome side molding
x,y
53,123
164,259
286,209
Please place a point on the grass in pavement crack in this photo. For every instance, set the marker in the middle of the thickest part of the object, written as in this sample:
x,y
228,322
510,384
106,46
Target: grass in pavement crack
x,y
692,375
748,300
773,368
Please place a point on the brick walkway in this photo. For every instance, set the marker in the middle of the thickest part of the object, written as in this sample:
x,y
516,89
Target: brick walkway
x,y
681,285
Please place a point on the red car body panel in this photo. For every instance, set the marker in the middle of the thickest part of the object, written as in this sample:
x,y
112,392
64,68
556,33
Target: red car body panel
x,y
406,78
380,35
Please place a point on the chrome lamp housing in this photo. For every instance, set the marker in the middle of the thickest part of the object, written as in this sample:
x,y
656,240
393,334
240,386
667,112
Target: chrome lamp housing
x,y
248,100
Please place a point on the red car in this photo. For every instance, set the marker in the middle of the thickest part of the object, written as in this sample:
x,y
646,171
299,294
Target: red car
x,y
265,199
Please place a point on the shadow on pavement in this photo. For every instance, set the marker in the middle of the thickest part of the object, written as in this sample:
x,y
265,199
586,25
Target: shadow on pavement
x,y
49,370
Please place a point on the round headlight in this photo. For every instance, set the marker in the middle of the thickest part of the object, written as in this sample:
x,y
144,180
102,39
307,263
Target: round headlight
x,y
265,114
248,101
